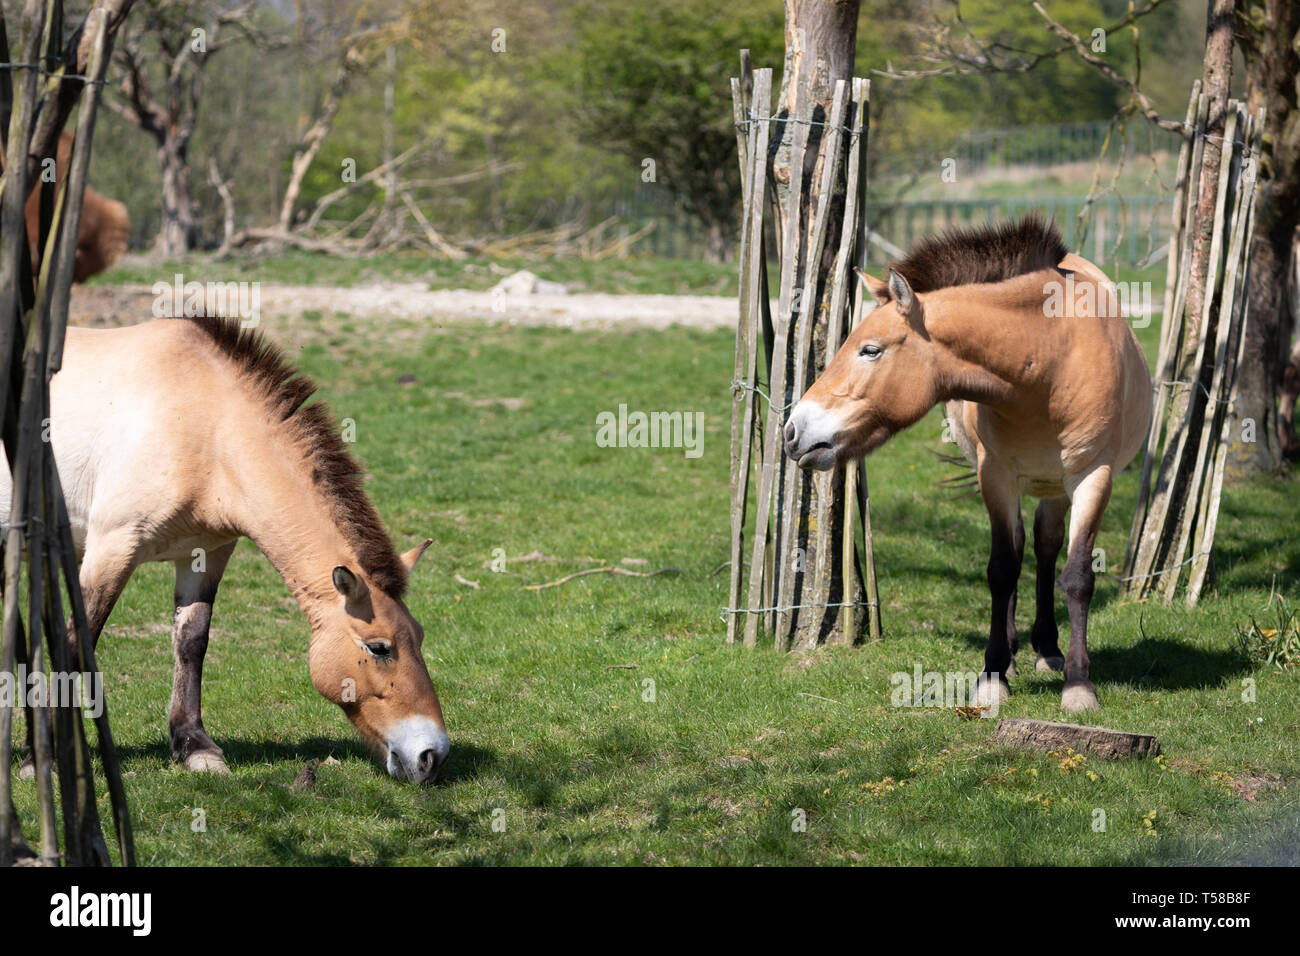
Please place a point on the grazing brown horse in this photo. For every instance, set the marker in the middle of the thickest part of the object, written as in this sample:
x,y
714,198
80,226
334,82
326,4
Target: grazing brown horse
x,y
175,438
1048,394
104,228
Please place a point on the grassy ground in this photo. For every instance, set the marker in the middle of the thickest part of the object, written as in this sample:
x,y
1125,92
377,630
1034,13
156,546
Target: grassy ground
x,y
545,693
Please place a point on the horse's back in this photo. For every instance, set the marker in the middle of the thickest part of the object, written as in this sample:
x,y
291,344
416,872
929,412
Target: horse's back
x,y
1094,405
133,414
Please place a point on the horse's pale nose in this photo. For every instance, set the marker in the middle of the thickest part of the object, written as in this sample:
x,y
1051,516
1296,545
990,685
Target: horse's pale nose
x,y
417,747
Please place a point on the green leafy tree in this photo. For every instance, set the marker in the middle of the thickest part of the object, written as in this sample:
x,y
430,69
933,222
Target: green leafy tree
x,y
655,84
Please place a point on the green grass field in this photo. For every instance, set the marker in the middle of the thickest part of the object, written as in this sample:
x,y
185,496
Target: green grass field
x,y
558,757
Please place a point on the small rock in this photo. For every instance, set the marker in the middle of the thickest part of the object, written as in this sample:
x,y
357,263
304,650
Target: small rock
x,y
524,282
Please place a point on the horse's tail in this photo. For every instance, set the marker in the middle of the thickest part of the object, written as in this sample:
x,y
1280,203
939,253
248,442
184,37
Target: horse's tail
x,y
965,484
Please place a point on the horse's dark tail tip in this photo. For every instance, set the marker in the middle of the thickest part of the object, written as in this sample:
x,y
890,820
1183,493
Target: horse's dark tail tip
x,y
965,484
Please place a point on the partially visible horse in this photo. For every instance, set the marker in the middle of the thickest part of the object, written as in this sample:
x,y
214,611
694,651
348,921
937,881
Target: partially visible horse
x,y
104,229
1048,394
175,438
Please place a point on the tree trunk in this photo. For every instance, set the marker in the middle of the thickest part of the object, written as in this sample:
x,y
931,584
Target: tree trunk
x,y
310,143
717,239
180,230
1215,84
821,37
1270,32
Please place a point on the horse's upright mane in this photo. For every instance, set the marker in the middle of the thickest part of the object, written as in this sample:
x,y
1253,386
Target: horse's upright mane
x,y
982,254
334,471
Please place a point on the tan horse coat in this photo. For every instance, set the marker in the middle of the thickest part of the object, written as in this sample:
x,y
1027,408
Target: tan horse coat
x,y
177,437
1047,392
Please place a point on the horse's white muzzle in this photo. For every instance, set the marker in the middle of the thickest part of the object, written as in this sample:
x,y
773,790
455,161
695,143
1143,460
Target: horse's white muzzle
x,y
417,748
810,436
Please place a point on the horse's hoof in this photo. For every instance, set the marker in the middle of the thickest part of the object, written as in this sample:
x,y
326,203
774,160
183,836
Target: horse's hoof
x,y
205,761
1011,669
27,771
991,692
1049,663
1079,697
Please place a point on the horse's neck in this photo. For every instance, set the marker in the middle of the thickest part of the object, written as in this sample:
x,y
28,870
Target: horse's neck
x,y
290,522
991,345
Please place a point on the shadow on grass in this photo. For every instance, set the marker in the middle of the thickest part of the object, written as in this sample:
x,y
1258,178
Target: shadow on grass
x,y
465,761
1168,664
241,752
1153,663
1240,563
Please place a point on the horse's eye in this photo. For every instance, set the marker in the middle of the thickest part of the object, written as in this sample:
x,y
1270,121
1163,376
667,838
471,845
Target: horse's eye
x,y
380,649
870,351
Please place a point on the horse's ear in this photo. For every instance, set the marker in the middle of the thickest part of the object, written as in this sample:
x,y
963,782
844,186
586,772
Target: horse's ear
x,y
410,557
348,584
875,286
908,304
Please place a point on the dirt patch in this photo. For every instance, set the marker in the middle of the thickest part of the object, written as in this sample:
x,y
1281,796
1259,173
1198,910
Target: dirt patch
x,y
106,306
1247,786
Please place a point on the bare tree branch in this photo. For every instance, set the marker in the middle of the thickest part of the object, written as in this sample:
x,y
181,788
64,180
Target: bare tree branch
x,y
1145,106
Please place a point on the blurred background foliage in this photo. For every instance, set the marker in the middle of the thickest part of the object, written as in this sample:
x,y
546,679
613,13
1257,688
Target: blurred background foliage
x,y
566,99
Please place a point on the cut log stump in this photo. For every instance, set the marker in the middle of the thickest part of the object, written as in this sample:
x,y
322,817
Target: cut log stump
x,y
1047,735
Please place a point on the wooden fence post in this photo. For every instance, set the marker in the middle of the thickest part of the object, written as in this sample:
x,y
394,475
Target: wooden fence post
x,y
1183,466
33,321
816,310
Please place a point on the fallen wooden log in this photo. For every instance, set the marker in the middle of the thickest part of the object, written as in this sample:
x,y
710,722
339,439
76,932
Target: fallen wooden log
x,y
1047,735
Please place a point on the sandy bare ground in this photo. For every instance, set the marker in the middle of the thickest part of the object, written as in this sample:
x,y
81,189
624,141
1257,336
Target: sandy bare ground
x,y
284,305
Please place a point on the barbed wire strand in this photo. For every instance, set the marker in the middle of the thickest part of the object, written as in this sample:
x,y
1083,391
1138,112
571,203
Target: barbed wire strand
x,y
792,607
1156,574
737,385
753,118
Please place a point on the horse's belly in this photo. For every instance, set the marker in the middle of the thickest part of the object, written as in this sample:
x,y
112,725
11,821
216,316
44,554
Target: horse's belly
x,y
75,502
1039,472
1040,487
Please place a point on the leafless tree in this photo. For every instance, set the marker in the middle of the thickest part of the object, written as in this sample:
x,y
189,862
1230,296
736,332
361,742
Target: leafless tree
x,y
159,64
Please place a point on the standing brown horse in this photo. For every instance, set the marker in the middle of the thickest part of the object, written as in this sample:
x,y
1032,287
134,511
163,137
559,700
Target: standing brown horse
x,y
1048,394
175,438
104,229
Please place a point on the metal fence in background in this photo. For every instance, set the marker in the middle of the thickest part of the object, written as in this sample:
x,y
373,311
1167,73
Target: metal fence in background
x,y
676,234
1052,144
1124,230
1127,231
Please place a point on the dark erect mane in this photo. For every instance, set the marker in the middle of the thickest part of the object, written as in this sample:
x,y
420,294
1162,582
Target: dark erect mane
x,y
982,254
334,471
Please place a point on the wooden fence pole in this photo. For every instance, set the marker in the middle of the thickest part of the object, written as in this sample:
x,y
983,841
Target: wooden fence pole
x,y
1178,509
791,512
35,309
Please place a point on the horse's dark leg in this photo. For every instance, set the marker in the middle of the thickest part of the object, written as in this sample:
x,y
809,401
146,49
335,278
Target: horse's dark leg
x,y
196,590
1013,636
1002,499
1088,497
1049,535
